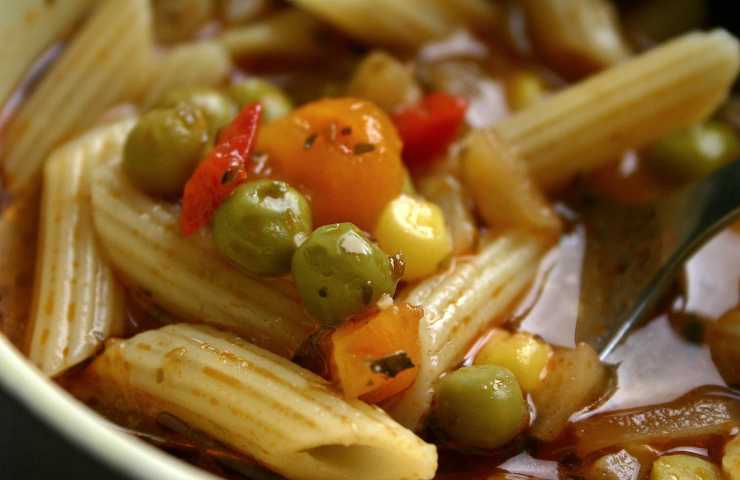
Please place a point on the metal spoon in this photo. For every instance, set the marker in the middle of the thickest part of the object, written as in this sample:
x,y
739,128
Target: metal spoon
x,y
634,253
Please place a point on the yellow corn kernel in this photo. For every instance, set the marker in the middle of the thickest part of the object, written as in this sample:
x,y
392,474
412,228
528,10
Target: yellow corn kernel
x,y
731,459
521,353
684,467
415,228
523,89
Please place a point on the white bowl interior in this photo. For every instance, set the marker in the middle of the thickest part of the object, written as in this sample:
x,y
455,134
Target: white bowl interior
x,y
82,426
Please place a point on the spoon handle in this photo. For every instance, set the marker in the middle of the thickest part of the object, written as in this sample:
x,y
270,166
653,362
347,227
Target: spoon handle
x,y
688,219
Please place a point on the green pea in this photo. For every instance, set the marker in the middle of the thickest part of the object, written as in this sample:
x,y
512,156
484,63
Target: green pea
x,y
218,108
261,224
480,406
274,102
339,272
694,152
163,149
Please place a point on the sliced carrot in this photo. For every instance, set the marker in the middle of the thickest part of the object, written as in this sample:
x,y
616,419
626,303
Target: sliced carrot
x,y
377,356
343,153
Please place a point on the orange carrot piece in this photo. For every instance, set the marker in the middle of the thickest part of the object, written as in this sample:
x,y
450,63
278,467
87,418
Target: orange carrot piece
x,y
377,356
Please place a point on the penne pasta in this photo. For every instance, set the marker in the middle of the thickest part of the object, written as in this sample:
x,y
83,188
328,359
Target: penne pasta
x,y
459,305
108,61
26,29
17,243
402,24
627,106
201,63
77,301
259,404
29,27
578,36
290,33
187,276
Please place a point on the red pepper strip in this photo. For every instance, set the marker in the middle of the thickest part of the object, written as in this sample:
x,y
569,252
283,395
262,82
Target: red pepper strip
x,y
224,169
429,127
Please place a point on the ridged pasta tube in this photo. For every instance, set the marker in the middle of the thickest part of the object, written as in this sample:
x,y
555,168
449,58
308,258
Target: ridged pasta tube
x,y
458,305
626,106
77,301
291,33
18,246
29,27
260,404
188,276
201,63
107,62
407,24
578,36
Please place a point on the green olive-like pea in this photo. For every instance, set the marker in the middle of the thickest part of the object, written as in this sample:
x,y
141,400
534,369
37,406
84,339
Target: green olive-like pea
x,y
274,102
480,406
164,148
219,109
340,272
694,152
261,224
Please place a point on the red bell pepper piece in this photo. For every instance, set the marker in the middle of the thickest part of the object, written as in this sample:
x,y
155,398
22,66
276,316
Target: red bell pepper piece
x,y
224,169
429,127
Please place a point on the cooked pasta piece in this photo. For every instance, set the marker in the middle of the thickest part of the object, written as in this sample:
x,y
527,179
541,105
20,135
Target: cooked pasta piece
x,y
577,36
201,63
458,305
18,246
290,33
260,404
188,276
77,302
108,61
403,24
627,106
505,195
26,29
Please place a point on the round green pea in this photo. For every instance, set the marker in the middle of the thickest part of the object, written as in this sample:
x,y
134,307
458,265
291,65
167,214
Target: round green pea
x,y
694,152
480,406
274,102
164,148
219,109
261,224
340,272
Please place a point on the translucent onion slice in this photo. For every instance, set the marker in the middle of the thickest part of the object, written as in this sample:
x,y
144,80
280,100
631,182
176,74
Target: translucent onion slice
x,y
700,413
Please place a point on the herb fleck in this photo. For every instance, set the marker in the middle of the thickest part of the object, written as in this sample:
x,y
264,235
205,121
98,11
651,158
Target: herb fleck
x,y
228,176
392,365
310,140
362,148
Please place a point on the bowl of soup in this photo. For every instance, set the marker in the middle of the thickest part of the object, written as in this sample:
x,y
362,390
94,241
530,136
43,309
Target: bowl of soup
x,y
346,240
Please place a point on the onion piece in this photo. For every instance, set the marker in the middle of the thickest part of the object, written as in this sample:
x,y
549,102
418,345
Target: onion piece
x,y
703,412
